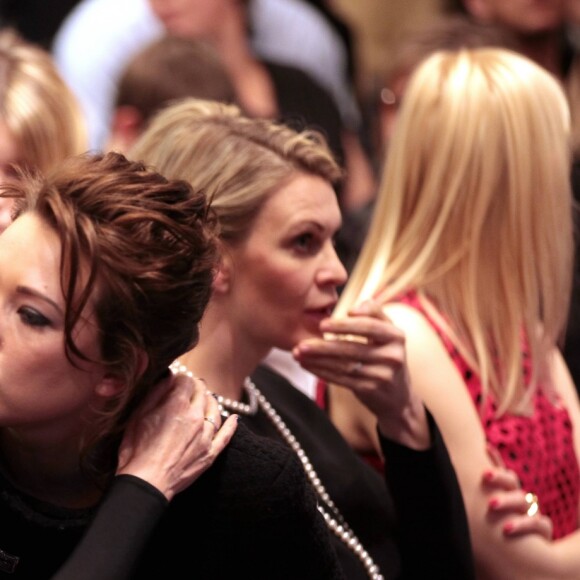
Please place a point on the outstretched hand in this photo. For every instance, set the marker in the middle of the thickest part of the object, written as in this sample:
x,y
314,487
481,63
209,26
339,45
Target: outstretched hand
x,y
175,435
365,353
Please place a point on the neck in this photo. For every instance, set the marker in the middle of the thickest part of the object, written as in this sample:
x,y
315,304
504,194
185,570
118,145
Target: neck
x,y
224,355
230,38
250,79
47,470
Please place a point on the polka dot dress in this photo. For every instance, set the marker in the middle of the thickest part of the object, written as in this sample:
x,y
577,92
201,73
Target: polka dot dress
x,y
539,448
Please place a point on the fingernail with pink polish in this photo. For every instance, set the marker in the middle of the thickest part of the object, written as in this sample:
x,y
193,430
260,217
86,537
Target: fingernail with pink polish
x,y
508,528
488,475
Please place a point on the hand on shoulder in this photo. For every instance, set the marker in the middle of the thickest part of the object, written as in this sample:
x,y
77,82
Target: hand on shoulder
x,y
175,435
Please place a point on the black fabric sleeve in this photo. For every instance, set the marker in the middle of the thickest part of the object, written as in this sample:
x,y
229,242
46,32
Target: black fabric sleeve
x,y
114,542
431,521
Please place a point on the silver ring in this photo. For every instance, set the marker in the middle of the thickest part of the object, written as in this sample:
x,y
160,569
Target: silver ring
x,y
210,420
533,504
356,368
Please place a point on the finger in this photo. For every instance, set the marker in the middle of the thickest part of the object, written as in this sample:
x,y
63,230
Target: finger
x,y
212,407
369,308
355,372
211,422
204,408
224,435
504,479
509,501
331,352
212,411
198,398
522,525
361,329
495,455
334,375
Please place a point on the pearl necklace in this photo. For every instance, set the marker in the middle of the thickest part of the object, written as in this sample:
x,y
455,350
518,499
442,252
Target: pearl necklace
x,y
226,405
334,520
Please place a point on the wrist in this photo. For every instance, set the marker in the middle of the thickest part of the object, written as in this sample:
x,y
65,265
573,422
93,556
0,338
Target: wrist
x,y
151,478
409,427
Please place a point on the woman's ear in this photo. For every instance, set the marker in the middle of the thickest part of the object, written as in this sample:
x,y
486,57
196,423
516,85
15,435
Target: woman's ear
x,y
112,383
222,279
126,126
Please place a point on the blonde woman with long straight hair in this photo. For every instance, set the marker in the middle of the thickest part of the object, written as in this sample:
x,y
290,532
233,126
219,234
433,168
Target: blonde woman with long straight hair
x,y
470,253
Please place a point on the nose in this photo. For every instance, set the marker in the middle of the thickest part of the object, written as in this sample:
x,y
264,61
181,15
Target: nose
x,y
332,271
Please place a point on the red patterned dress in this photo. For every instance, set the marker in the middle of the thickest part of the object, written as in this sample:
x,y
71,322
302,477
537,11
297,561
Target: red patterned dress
x,y
539,448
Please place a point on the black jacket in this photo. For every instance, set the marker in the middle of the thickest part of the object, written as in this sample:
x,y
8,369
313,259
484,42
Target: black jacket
x,y
252,515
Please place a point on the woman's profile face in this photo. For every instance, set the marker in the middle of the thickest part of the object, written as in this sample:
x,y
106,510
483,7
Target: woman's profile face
x,y
285,275
40,389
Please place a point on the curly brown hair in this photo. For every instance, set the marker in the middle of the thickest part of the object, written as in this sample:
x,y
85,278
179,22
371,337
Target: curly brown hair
x,y
145,246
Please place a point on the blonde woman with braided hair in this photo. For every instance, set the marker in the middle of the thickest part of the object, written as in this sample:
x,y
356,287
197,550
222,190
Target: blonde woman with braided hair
x,y
276,285
470,255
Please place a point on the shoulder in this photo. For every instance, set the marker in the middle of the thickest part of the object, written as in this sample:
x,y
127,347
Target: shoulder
x,y
257,471
408,318
255,480
422,340
254,450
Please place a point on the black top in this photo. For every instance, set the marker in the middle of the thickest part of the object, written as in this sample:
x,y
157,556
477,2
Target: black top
x,y
412,521
249,516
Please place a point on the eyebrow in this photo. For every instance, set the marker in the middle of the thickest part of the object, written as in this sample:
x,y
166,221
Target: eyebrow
x,y
317,225
31,292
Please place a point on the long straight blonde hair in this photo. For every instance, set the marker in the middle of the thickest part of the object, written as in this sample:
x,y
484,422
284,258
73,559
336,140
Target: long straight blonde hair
x,y
475,212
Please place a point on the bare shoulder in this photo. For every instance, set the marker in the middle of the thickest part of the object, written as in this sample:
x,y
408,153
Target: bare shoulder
x,y
415,326
429,363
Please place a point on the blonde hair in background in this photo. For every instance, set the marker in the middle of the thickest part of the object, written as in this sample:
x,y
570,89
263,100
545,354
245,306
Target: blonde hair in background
x,y
475,211
37,106
238,162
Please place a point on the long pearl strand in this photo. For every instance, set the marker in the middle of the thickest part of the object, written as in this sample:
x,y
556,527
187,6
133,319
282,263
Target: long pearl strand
x,y
335,522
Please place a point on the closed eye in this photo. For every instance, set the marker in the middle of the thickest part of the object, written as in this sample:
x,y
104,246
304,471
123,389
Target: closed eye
x,y
32,317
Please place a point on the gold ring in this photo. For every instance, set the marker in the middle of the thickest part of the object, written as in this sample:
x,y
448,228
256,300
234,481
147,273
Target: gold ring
x,y
210,420
533,504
